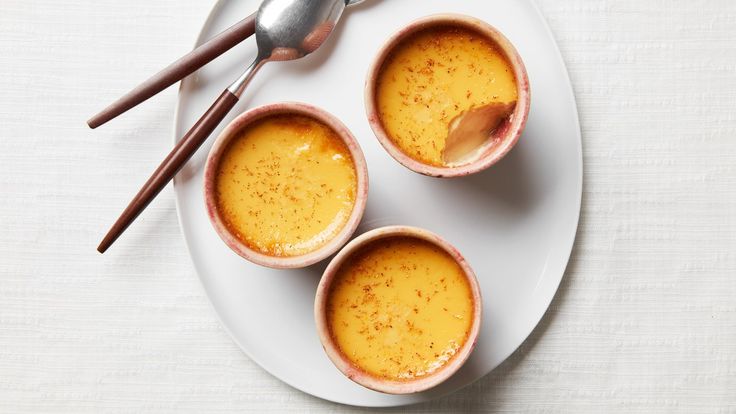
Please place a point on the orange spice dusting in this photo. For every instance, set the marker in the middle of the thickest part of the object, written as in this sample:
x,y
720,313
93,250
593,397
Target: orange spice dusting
x,y
286,186
433,76
400,308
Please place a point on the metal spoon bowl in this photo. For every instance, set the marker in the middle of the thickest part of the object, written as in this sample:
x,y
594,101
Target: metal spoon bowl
x,y
288,30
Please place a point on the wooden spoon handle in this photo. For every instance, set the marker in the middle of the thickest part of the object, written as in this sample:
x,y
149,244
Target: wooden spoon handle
x,y
178,70
181,153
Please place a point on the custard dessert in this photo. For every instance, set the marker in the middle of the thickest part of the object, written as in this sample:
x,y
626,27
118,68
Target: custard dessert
x,y
438,79
286,186
400,308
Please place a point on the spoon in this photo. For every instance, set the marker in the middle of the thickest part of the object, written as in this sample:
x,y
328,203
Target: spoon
x,y
183,67
285,30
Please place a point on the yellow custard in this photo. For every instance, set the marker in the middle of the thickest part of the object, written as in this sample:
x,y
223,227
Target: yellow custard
x,y
286,186
432,77
400,308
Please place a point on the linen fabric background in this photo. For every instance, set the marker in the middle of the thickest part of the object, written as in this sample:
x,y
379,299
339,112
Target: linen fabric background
x,y
645,319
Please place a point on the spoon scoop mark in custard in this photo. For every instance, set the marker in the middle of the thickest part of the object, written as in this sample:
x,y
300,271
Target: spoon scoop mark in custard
x,y
473,130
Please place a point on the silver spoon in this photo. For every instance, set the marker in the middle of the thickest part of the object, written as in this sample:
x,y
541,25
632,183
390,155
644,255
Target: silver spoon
x,y
285,30
181,68
288,30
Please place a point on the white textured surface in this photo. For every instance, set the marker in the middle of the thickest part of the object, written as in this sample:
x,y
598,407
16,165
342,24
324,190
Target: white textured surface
x,y
645,319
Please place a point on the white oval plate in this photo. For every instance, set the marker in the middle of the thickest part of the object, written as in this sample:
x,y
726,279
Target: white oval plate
x,y
515,223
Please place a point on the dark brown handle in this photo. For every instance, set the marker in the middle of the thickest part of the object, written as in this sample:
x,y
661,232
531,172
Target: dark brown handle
x,y
181,153
178,70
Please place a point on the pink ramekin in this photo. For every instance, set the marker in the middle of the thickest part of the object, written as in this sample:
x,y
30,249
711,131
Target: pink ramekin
x,y
232,131
510,133
355,373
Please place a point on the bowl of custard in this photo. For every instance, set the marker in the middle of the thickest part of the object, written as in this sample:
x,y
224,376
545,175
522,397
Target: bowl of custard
x,y
285,185
448,96
398,310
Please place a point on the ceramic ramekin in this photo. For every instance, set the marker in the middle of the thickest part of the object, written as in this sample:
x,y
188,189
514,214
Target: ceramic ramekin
x,y
231,132
510,132
355,373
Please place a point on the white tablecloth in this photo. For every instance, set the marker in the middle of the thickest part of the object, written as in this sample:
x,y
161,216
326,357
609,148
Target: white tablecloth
x,y
645,319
